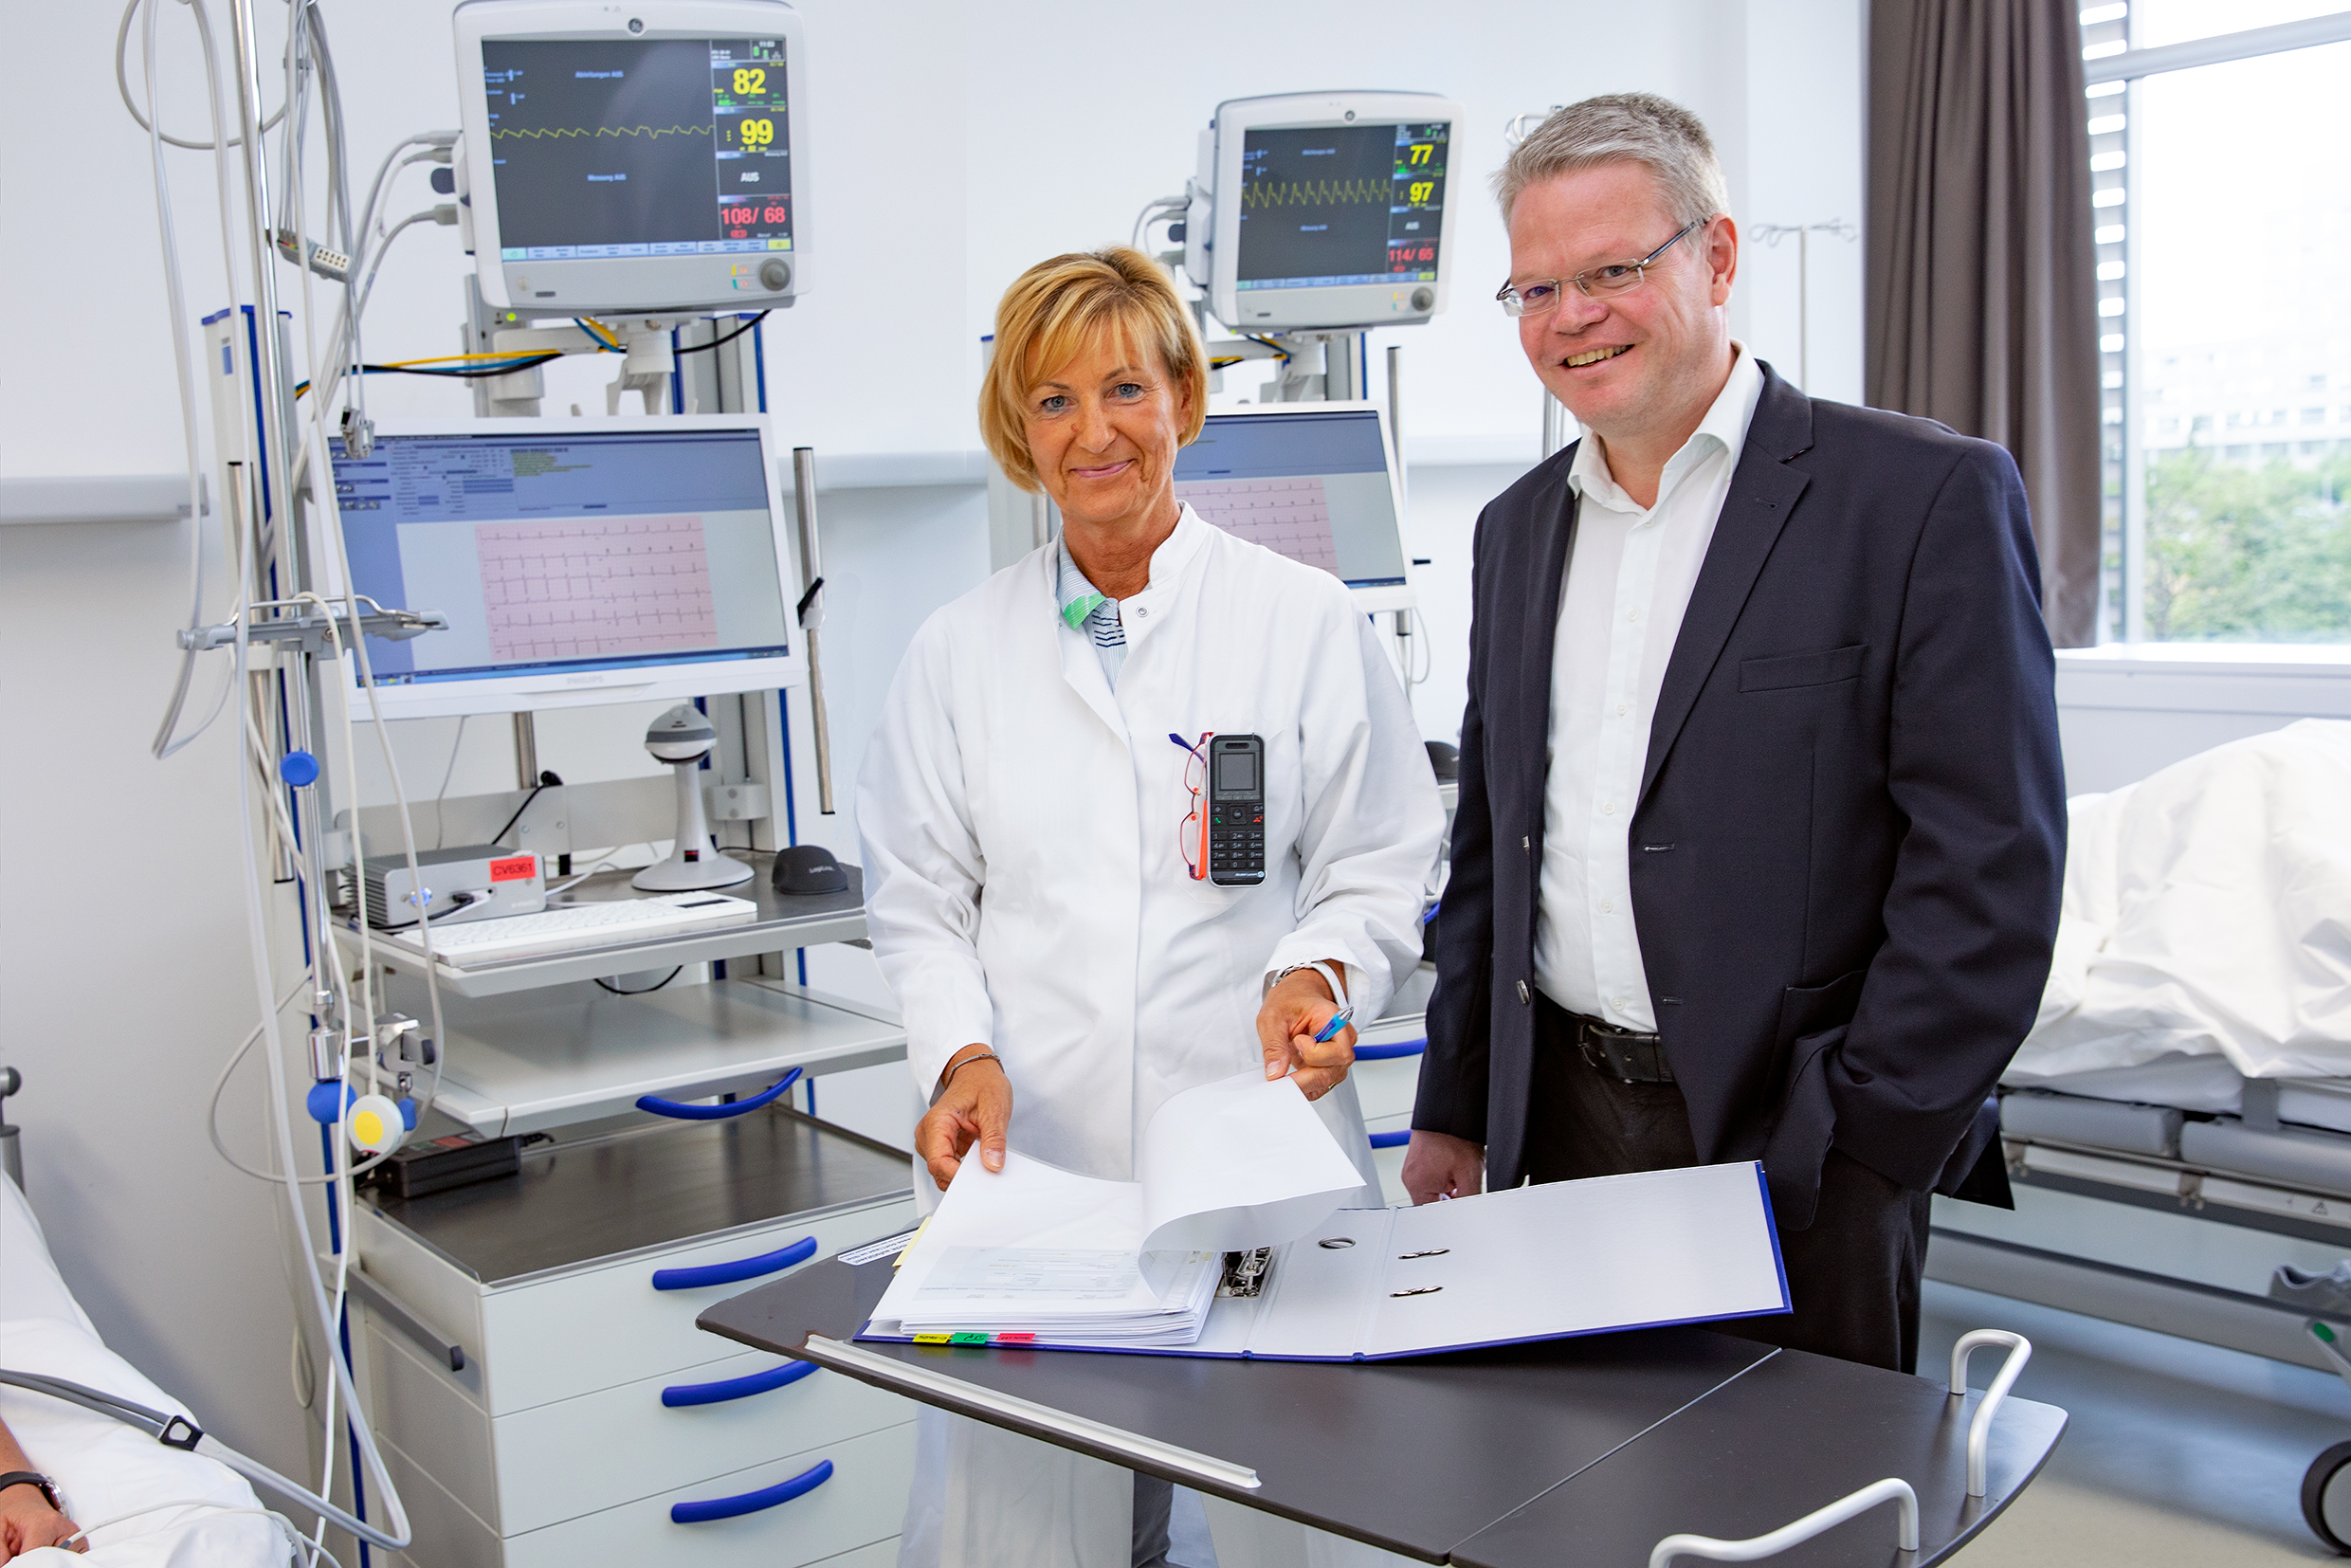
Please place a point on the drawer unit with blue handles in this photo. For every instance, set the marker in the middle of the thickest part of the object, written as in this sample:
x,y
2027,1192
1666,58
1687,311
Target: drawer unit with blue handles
x,y
529,1356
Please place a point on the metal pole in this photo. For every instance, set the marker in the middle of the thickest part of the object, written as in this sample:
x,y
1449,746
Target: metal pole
x,y
268,357
1554,425
526,750
813,575
1395,434
1395,416
1804,309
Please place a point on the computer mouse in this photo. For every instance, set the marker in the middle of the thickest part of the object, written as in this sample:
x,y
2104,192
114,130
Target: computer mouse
x,y
1444,760
808,868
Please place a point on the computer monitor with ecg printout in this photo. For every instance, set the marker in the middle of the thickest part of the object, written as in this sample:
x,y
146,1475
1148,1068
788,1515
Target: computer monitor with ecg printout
x,y
586,561
1314,481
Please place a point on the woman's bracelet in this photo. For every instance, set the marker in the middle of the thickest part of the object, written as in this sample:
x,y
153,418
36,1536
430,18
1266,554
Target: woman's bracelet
x,y
939,1092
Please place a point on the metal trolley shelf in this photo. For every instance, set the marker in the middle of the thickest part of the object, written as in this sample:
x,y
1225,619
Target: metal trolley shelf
x,y
784,922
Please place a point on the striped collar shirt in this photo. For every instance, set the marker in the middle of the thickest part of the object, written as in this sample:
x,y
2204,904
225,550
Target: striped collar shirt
x,y
1085,609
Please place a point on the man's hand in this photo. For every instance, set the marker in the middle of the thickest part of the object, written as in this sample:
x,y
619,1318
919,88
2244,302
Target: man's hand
x,y
977,1106
1440,1166
28,1521
1293,1014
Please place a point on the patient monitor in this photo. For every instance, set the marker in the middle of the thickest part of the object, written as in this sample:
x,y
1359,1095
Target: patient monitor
x,y
578,562
1319,210
634,157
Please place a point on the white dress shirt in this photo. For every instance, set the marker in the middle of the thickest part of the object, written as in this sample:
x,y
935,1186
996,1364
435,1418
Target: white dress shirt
x,y
1628,583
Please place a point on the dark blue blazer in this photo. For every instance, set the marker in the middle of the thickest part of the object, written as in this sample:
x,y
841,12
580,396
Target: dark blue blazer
x,y
1848,848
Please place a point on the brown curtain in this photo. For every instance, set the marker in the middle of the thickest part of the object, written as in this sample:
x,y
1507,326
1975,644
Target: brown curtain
x,y
1983,305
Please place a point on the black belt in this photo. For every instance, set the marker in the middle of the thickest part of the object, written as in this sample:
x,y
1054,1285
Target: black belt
x,y
1624,1055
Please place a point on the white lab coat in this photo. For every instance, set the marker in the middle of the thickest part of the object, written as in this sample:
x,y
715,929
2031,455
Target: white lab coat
x,y
1026,887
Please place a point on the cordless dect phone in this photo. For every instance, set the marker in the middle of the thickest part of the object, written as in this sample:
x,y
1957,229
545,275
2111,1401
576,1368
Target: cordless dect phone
x,y
1236,811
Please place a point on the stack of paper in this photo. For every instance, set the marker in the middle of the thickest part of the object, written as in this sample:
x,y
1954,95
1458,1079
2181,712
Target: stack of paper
x,y
1033,1251
1101,1297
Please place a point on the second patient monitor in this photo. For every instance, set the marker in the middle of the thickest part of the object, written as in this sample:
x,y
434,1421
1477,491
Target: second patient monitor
x,y
1319,210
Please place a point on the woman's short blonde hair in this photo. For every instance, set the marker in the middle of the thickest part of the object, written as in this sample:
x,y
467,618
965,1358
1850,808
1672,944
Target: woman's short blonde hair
x,y
1056,308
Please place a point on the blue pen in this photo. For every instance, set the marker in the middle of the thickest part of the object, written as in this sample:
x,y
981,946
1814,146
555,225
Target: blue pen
x,y
1339,1021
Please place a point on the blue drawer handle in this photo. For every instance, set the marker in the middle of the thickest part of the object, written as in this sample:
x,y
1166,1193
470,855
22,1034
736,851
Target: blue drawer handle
x,y
741,1268
1391,1140
751,1503
684,1112
679,1395
1389,1053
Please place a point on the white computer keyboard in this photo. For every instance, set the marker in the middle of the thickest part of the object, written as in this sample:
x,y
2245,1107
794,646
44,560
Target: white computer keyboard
x,y
563,927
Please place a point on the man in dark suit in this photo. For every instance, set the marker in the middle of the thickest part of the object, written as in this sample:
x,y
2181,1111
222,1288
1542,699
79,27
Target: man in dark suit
x,y
1762,822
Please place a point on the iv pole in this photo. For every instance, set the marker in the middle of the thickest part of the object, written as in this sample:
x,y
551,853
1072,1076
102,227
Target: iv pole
x,y
1771,235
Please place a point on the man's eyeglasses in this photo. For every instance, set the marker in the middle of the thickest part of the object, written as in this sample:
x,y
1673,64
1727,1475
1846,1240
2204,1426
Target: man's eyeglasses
x,y
1543,294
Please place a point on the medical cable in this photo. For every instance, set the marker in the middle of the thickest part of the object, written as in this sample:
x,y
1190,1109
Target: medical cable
x,y
440,824
329,1316
607,863
1163,207
123,85
547,779
261,530
282,1123
641,991
722,342
166,743
178,1431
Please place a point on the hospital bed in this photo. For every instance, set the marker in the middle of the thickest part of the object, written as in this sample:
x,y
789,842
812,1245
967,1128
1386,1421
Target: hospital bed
x,y
2178,1125
144,1504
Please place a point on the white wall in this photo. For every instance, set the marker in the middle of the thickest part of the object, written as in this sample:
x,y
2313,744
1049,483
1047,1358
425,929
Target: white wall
x,y
952,146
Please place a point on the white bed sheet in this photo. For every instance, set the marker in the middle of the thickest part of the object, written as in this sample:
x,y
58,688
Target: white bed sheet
x,y
2207,914
102,1467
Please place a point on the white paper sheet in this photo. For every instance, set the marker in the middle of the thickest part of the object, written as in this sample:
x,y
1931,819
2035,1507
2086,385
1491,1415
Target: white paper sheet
x,y
1240,1163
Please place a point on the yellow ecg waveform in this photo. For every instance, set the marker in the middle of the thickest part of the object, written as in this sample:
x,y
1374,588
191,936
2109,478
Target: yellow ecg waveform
x,y
542,134
1316,193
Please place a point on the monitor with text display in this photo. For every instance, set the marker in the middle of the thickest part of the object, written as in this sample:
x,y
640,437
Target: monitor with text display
x,y
586,561
1318,210
642,158
1309,481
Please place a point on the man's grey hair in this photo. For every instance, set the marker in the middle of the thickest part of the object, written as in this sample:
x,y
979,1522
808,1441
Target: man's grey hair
x,y
1622,128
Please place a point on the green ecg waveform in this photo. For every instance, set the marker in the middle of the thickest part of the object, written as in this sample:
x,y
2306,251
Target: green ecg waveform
x,y
605,131
1317,193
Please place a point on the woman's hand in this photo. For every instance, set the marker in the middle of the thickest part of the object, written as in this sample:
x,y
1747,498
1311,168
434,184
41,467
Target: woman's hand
x,y
1293,1014
977,1106
28,1522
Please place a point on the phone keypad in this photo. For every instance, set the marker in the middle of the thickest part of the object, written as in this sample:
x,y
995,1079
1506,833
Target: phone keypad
x,y
1236,843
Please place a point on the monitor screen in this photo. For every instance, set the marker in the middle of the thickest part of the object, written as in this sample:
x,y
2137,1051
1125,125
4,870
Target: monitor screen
x,y
1312,486
664,147
1340,205
563,553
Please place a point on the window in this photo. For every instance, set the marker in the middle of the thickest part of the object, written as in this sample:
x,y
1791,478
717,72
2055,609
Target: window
x,y
2224,315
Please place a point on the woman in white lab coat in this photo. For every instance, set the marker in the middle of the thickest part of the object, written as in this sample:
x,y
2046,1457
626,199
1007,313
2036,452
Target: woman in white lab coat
x,y
1030,838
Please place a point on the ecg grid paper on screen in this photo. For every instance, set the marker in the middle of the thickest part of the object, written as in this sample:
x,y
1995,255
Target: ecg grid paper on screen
x,y
1290,517
596,586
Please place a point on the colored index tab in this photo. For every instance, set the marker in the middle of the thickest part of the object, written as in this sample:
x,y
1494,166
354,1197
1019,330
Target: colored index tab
x,y
934,1339
967,1339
